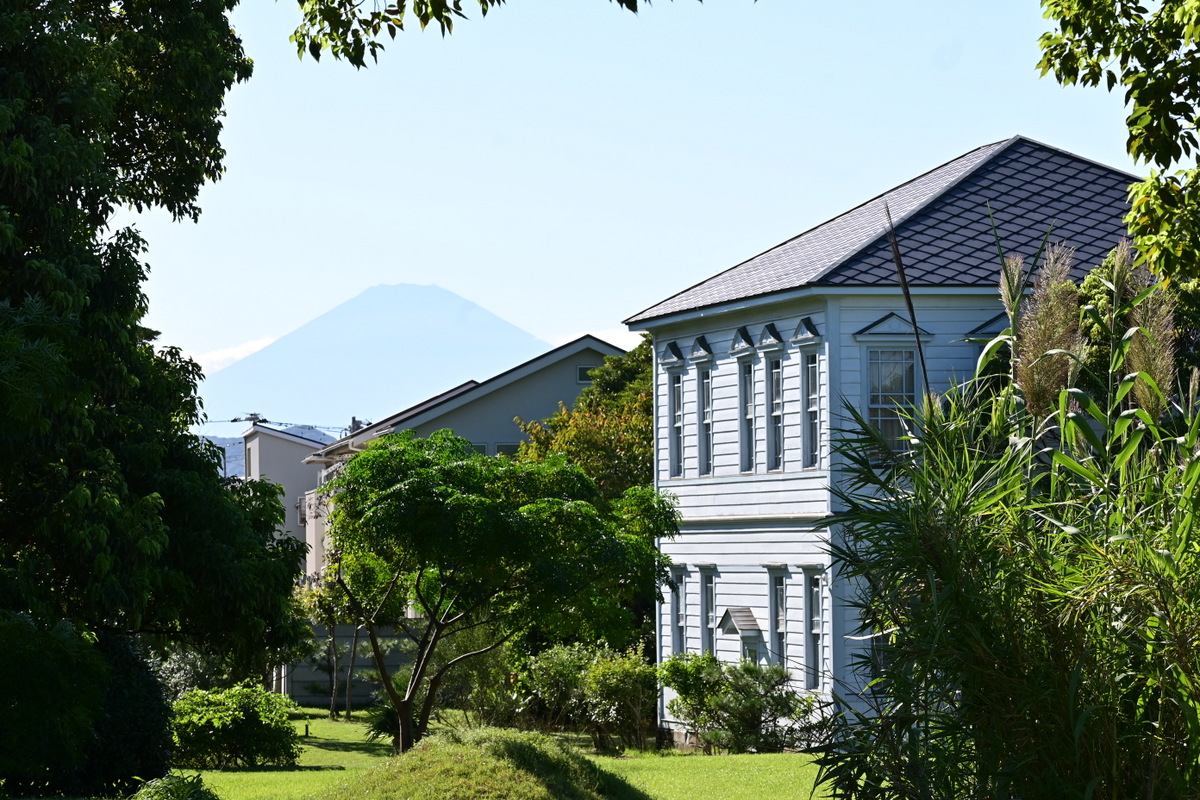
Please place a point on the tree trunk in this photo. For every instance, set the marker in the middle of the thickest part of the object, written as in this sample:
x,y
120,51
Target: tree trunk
x,y
350,670
333,671
405,735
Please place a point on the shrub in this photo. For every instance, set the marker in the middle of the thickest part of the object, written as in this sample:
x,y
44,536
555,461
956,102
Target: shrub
x,y
620,690
53,679
130,739
740,708
553,681
245,726
176,787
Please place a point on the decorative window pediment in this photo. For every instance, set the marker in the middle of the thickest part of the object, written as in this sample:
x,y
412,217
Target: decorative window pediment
x,y
743,342
672,355
702,351
806,331
988,330
770,338
891,326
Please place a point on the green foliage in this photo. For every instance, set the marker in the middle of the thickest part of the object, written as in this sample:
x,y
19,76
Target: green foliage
x,y
175,786
349,33
1031,594
738,708
486,763
620,691
609,431
553,681
1151,51
467,541
246,726
53,679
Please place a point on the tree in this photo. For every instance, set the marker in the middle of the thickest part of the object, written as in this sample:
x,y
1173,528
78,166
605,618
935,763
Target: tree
x,y
1153,51
610,431
115,518
434,539
342,27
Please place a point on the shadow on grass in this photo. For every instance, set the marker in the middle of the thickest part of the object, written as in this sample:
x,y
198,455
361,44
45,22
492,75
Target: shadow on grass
x,y
378,749
572,777
319,768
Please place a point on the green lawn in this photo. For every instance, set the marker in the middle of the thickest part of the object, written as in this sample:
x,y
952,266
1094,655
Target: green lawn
x,y
336,751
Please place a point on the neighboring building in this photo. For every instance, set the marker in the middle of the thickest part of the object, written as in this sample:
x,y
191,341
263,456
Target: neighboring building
x,y
482,413
753,368
278,456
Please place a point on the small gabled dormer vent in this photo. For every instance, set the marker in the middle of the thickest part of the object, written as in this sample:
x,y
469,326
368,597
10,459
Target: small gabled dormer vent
x,y
892,325
739,621
770,336
742,340
701,349
672,354
988,330
806,330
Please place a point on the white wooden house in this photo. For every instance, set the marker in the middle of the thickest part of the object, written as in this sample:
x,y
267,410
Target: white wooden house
x,y
754,366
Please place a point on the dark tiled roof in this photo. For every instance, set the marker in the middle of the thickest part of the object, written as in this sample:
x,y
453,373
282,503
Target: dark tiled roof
x,y
943,226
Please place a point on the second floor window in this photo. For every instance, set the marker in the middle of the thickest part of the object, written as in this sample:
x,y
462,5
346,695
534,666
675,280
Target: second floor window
x,y
812,410
746,399
892,386
679,615
675,448
774,414
706,422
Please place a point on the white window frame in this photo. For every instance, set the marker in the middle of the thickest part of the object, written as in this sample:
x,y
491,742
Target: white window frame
x,y
777,602
773,400
747,411
708,611
810,367
814,629
883,406
675,434
704,403
679,613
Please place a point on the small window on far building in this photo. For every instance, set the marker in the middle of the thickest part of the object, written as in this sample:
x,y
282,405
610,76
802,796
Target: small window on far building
x,y
815,628
479,448
779,617
509,450
583,373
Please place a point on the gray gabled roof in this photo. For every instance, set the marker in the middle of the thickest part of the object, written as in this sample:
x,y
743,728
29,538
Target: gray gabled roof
x,y
945,234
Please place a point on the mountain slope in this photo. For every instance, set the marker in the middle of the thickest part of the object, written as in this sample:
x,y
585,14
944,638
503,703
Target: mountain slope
x,y
377,353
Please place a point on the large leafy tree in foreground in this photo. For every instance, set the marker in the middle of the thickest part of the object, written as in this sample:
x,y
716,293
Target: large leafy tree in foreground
x,y
1030,572
432,539
114,519
1152,52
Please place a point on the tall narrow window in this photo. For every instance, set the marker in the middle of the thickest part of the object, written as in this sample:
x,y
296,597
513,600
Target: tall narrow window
x,y
675,448
815,625
747,416
679,615
779,618
892,385
774,414
706,422
708,611
812,410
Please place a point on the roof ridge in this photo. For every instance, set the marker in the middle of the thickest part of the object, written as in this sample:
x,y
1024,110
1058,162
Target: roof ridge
x,y
999,147
830,221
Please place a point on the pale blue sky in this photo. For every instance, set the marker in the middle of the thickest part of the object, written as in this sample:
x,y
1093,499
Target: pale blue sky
x,y
565,163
